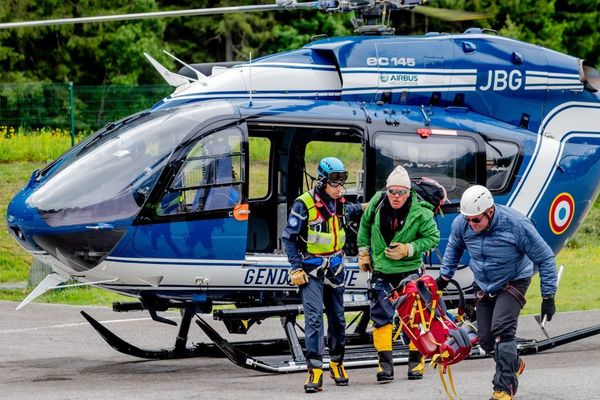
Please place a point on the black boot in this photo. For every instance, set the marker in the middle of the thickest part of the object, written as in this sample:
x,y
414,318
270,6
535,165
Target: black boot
x,y
416,365
314,381
385,371
338,373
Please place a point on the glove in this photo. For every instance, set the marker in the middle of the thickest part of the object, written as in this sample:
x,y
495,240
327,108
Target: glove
x,y
397,251
298,277
441,282
364,261
548,307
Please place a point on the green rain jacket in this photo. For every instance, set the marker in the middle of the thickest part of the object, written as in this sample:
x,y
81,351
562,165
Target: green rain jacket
x,y
420,229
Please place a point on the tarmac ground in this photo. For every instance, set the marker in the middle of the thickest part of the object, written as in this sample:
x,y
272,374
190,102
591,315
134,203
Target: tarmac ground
x,y
51,352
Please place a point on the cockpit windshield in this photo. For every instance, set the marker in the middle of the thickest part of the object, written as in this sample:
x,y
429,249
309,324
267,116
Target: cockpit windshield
x,y
109,177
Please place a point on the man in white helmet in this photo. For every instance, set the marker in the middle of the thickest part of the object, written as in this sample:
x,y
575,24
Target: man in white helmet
x,y
503,246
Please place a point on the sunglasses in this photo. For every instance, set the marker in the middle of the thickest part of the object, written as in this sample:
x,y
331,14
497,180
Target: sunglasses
x,y
335,184
475,220
398,192
337,177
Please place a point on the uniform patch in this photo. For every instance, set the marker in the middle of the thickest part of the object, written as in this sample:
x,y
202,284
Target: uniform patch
x,y
293,221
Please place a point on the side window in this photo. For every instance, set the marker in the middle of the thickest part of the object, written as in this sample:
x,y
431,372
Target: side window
x,y
210,177
501,158
259,155
451,160
349,153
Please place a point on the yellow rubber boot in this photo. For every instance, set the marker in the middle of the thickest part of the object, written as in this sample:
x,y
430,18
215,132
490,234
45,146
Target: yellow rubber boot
x,y
382,339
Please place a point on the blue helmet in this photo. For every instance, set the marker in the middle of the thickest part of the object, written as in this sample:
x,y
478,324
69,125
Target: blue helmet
x,y
331,169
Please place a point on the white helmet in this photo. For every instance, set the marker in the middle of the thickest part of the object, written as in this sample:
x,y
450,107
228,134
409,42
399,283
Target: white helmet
x,y
475,200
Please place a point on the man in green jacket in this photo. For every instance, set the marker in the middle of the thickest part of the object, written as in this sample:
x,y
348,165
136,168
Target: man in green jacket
x,y
395,230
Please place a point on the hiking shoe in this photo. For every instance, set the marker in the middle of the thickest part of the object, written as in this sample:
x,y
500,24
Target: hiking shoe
x,y
501,396
416,365
521,368
314,381
338,373
385,368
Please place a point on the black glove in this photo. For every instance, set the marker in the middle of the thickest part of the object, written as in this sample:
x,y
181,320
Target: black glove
x,y
441,282
548,307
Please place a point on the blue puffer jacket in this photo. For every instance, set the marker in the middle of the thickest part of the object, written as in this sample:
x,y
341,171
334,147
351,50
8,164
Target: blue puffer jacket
x,y
504,252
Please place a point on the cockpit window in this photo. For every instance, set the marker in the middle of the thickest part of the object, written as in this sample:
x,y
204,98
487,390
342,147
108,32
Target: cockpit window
x,y
109,177
501,158
449,160
210,177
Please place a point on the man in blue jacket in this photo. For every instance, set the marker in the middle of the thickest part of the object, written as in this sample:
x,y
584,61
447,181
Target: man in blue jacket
x,y
503,246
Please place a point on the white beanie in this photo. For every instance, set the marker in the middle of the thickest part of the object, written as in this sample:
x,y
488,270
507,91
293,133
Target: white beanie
x,y
398,177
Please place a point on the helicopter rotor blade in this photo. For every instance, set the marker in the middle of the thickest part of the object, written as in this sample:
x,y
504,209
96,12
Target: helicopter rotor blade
x,y
446,14
280,5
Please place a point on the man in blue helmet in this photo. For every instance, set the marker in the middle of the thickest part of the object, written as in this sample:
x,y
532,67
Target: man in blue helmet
x,y
314,238
504,246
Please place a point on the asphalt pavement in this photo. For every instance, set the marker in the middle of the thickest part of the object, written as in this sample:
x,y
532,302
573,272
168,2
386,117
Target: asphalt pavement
x,y
51,352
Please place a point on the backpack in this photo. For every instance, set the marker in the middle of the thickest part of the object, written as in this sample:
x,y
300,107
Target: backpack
x,y
431,191
425,321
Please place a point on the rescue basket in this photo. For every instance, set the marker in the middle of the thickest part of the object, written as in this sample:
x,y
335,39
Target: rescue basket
x,y
425,321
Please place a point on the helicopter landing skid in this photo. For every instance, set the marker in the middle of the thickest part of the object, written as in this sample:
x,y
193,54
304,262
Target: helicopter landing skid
x,y
181,350
286,355
356,355
363,355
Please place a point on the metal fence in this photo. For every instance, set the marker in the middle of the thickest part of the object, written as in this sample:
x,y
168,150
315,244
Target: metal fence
x,y
68,106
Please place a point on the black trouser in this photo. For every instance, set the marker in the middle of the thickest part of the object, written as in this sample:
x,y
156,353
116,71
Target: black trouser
x,y
497,318
382,310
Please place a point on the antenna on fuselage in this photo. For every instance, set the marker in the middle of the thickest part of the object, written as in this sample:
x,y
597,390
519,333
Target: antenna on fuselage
x,y
250,68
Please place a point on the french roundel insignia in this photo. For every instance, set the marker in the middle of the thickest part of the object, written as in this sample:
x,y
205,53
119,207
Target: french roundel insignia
x,y
293,221
561,213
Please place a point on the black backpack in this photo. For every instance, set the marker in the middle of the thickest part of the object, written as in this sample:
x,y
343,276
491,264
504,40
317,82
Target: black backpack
x,y
431,191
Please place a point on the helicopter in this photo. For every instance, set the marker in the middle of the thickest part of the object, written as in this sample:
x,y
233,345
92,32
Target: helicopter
x,y
168,206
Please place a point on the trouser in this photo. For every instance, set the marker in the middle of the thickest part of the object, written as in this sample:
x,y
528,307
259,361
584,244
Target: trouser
x,y
382,310
497,317
315,295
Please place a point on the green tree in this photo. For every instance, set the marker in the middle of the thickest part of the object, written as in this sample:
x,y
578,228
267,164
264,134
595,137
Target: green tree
x,y
92,53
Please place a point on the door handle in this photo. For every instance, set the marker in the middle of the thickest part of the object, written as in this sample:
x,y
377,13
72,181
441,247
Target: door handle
x,y
100,227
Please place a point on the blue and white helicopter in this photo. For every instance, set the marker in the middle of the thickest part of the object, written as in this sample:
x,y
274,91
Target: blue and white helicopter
x,y
168,206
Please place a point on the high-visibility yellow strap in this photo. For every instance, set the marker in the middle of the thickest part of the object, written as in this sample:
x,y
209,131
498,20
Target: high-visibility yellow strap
x,y
413,311
421,313
451,381
432,313
398,332
441,374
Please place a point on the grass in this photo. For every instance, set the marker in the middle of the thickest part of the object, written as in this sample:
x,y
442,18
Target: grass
x,y
76,296
14,261
42,145
578,288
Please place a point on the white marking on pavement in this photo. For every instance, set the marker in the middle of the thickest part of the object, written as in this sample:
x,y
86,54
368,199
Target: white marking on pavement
x,y
112,321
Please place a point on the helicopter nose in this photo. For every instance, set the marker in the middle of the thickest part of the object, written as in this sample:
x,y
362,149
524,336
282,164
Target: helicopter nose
x,y
19,218
78,247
